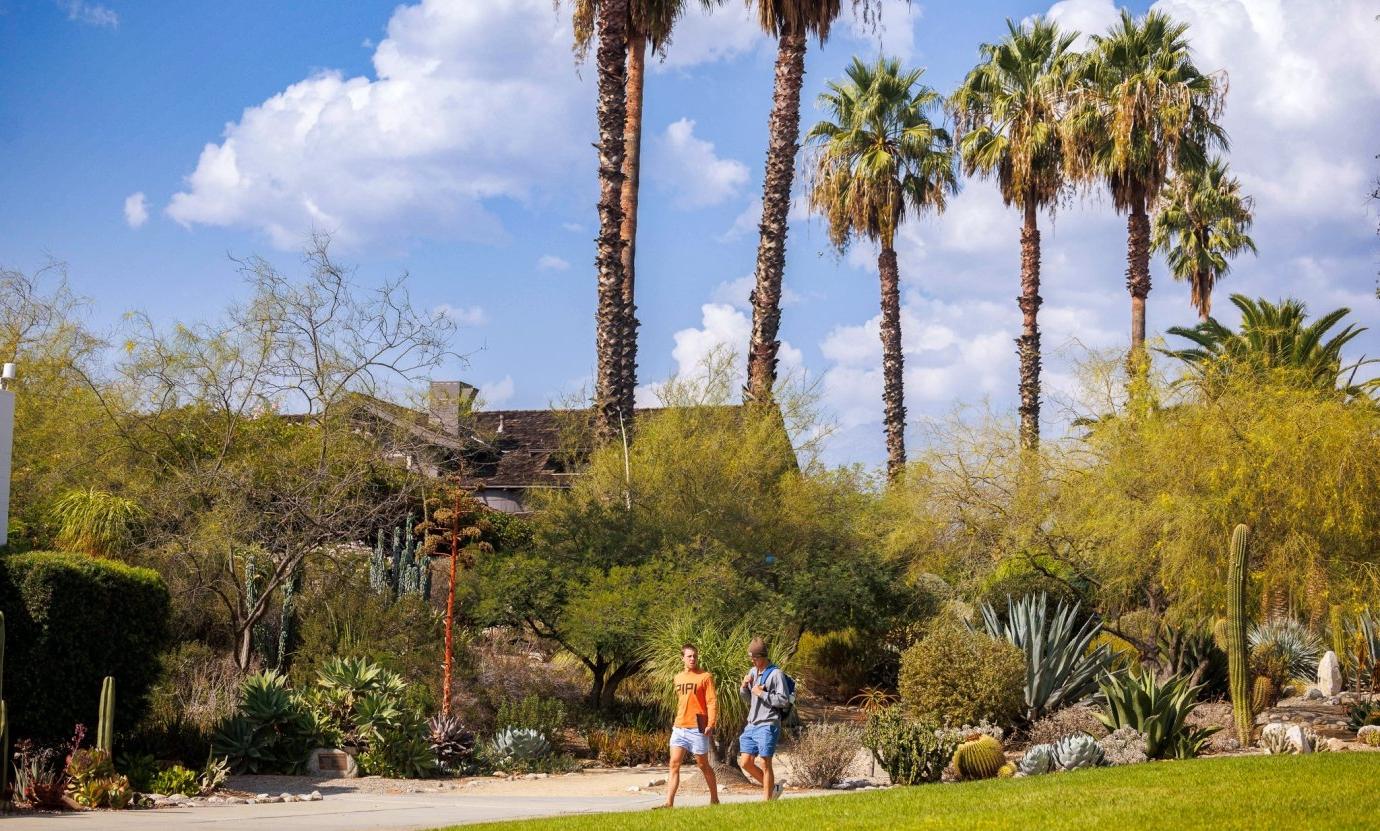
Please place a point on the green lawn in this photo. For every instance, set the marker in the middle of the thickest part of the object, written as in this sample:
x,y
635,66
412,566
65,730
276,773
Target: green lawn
x,y
1259,793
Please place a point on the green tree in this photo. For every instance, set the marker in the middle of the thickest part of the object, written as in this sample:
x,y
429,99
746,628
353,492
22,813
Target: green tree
x,y
790,22
1201,221
1143,109
1275,339
1009,113
880,157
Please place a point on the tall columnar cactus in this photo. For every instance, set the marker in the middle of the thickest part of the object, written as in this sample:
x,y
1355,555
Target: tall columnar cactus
x,y
287,621
105,728
4,721
400,568
1237,659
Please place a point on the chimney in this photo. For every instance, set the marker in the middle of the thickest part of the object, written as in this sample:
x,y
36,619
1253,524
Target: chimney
x,y
447,402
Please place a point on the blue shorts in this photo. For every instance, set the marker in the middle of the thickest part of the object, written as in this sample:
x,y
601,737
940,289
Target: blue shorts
x,y
759,740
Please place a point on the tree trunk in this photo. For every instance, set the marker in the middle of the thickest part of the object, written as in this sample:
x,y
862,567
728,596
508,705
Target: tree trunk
x,y
893,365
596,685
1028,344
1138,274
607,696
632,164
611,58
783,131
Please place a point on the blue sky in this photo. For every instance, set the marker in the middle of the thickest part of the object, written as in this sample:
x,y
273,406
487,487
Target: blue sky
x,y
143,142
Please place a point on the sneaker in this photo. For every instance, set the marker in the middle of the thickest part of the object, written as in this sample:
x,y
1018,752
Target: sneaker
x,y
776,790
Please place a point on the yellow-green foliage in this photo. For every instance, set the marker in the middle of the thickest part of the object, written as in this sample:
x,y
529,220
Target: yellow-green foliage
x,y
961,677
96,522
1124,655
836,664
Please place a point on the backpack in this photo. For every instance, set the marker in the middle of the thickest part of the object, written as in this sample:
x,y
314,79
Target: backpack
x,y
788,715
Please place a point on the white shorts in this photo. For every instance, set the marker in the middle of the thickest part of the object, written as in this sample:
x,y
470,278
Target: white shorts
x,y
690,739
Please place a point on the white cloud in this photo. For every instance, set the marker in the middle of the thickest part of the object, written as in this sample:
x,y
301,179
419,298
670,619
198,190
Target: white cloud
x,y
891,31
708,36
745,223
136,210
736,293
464,315
471,101
550,262
92,14
723,327
496,393
1087,17
687,166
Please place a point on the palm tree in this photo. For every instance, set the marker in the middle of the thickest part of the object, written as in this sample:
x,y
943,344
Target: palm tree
x,y
1201,220
1008,114
878,158
650,23
1275,339
790,21
611,408
1143,109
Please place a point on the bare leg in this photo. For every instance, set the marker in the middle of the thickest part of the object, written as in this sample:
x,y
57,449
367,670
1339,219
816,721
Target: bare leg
x,y
747,765
707,770
768,777
673,781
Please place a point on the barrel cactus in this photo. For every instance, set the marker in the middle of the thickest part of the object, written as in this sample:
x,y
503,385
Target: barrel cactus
x,y
1037,760
980,758
1006,771
1078,751
519,744
1369,735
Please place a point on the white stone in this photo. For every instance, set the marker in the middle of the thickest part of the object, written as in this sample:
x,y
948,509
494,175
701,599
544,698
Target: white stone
x,y
1293,732
261,796
1329,674
314,796
633,789
332,763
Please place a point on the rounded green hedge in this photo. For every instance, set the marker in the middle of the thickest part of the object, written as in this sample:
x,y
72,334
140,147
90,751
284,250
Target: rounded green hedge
x,y
71,620
957,676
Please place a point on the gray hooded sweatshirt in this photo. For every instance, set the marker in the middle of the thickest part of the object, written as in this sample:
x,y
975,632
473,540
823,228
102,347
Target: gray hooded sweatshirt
x,y
768,707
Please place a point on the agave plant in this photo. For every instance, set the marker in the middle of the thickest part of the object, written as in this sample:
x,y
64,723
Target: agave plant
x,y
1362,658
516,745
1061,668
1078,751
1302,649
452,743
272,731
1157,710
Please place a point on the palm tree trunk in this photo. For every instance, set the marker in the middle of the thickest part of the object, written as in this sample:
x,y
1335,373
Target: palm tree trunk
x,y
1028,344
893,368
783,130
611,58
1138,274
632,165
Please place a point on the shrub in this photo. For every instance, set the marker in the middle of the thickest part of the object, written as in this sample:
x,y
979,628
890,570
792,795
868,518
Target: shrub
x,y
272,732
910,751
626,746
1298,646
1061,666
1124,746
957,676
1157,710
1069,721
176,780
197,690
72,620
823,754
838,665
544,715
1014,579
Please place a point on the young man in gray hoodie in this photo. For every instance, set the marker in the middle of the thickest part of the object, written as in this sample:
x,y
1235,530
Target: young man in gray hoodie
x,y
764,691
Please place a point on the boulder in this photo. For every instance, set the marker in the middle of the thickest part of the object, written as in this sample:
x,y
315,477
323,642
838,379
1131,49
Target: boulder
x,y
1329,675
332,763
1314,694
1294,732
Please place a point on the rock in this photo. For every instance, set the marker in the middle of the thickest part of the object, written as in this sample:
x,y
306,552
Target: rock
x,y
1329,674
1294,732
314,796
215,800
235,800
633,789
655,783
332,763
1314,694
286,797
261,796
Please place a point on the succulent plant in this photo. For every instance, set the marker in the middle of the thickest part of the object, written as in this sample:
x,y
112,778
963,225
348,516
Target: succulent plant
x,y
1006,771
979,758
1369,735
910,752
1037,760
1277,743
452,743
519,744
1061,668
1159,711
1299,646
1078,751
1239,674
1264,694
105,727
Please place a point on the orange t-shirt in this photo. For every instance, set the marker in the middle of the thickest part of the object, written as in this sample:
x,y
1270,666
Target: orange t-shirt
x,y
697,703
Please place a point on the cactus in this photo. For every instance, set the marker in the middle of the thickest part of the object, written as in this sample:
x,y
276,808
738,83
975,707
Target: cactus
x,y
400,568
1263,694
287,619
1237,667
4,722
1336,630
1037,760
520,744
1006,771
1078,751
105,728
980,758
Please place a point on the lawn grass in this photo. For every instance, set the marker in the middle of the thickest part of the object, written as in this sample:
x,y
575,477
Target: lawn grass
x,y
1259,793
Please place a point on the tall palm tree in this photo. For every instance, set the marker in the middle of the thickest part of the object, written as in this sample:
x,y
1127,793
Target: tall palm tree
x,y
1202,220
1008,114
1144,109
790,22
880,157
650,23
612,413
1275,338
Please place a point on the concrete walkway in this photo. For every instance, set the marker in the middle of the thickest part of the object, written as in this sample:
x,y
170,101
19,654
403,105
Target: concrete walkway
x,y
353,812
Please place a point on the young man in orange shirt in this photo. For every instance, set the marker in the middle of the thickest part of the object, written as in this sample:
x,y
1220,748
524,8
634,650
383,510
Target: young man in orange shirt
x,y
697,711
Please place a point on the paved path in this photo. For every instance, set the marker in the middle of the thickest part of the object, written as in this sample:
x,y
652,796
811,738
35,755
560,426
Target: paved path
x,y
351,812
